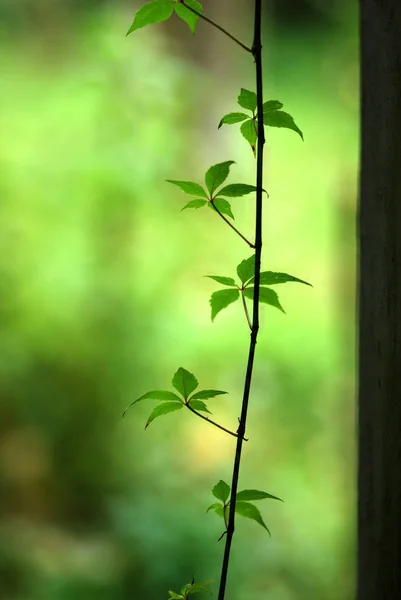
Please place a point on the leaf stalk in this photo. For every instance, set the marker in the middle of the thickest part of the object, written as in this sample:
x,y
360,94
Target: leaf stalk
x,y
227,33
231,225
234,434
245,308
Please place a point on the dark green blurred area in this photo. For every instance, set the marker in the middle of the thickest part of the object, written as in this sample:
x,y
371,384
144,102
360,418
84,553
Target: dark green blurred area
x,y
103,298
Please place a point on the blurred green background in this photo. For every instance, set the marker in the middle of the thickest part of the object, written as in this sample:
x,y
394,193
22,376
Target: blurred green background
x,y
103,298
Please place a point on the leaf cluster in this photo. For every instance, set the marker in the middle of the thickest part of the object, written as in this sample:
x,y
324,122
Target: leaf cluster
x,y
185,383
213,197
273,116
161,10
243,507
246,271
189,589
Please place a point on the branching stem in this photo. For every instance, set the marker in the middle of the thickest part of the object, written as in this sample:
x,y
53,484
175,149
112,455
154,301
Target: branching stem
x,y
235,434
231,225
201,16
257,54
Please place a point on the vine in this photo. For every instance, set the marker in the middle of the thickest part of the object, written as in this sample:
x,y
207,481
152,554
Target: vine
x,y
254,284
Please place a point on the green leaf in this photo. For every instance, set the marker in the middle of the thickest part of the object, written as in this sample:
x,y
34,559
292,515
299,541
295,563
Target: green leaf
x,y
193,588
222,206
163,409
189,187
207,394
184,382
266,295
198,587
199,405
156,395
175,596
187,15
153,12
246,269
255,495
273,278
221,491
249,132
248,510
281,119
222,299
219,510
217,174
232,118
223,280
194,204
247,99
270,106
235,190
214,506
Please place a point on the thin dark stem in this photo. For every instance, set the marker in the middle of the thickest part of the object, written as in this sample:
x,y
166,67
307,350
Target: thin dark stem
x,y
231,225
246,309
235,434
257,54
201,16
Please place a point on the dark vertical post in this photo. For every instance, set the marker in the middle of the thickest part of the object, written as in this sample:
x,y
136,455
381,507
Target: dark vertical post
x,y
379,414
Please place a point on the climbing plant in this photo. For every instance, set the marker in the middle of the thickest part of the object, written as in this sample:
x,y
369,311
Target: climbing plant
x,y
252,287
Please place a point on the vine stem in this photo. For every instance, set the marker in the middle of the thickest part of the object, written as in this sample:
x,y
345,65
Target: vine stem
x,y
257,54
231,225
246,309
235,434
228,34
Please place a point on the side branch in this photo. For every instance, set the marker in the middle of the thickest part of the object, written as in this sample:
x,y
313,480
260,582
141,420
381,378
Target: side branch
x,y
201,16
198,414
232,226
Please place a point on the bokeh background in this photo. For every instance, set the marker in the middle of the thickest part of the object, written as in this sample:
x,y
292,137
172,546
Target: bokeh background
x,y
103,298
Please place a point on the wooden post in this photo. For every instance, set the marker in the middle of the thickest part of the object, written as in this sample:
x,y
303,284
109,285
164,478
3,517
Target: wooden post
x,y
379,472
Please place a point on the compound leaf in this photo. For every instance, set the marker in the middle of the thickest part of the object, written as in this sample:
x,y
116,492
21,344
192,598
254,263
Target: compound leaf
x,y
217,174
184,382
266,295
153,12
187,15
163,409
221,491
189,187
221,299
250,511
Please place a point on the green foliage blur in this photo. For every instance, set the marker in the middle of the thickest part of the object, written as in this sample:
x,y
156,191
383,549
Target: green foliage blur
x,y
103,297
